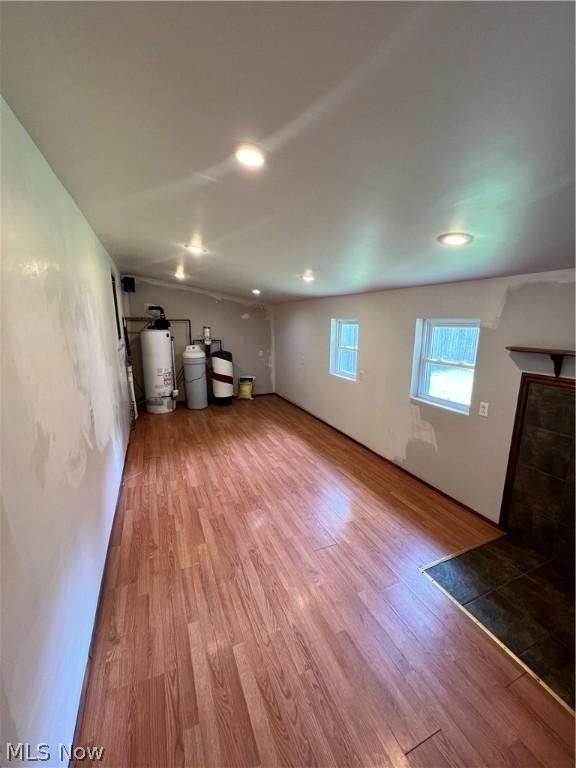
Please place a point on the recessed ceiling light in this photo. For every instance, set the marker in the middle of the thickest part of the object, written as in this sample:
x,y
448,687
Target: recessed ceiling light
x,y
455,238
250,156
308,276
256,291
196,249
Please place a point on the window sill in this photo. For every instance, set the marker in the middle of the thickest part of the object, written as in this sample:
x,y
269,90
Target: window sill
x,y
342,376
444,407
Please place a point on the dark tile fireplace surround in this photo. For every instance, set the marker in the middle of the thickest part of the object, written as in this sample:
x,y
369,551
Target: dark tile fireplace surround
x,y
521,587
540,512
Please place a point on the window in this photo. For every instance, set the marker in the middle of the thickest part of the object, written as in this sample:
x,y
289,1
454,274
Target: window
x,y
444,360
344,348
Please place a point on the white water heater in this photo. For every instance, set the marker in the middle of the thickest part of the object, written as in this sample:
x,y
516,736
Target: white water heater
x,y
158,369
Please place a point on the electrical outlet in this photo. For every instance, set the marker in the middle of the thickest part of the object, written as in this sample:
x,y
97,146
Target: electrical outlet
x,y
483,410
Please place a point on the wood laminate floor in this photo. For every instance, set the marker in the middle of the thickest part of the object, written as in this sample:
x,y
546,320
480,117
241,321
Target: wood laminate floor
x,y
263,606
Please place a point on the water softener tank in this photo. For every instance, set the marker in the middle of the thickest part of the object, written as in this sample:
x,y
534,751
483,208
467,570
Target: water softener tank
x,y
222,377
157,366
195,377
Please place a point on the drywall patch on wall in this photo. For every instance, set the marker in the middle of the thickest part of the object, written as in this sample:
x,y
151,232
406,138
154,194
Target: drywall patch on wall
x,y
68,375
422,430
65,423
399,429
494,306
497,297
40,453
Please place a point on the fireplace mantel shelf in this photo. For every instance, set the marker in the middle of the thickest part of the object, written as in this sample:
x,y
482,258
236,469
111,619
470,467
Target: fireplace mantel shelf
x,y
556,355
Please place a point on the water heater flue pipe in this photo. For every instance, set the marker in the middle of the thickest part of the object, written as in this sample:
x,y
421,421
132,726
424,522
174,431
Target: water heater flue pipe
x,y
149,320
160,323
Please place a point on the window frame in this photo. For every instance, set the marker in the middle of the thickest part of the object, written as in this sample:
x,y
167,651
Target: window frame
x,y
117,313
335,336
422,358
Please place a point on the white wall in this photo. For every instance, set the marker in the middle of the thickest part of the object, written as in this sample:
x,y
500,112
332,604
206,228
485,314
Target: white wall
x,y
464,456
244,327
64,434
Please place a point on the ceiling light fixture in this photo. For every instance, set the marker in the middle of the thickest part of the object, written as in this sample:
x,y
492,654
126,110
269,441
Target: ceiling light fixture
x,y
250,156
308,276
455,238
197,250
256,291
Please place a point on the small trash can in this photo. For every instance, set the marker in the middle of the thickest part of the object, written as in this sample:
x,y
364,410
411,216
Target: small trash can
x,y
194,360
246,387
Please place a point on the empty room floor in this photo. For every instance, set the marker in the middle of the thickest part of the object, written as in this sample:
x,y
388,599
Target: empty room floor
x,y
263,606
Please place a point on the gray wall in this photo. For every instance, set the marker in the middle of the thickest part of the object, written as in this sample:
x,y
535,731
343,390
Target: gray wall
x,y
244,327
464,456
64,434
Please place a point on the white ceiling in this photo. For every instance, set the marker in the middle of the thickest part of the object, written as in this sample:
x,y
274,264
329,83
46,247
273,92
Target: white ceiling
x,y
386,124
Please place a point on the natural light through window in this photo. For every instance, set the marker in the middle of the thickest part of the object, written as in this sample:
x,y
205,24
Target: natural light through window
x,y
444,362
344,348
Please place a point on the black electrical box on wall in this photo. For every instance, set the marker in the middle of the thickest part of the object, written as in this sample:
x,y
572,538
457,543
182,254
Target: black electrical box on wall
x,y
129,284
